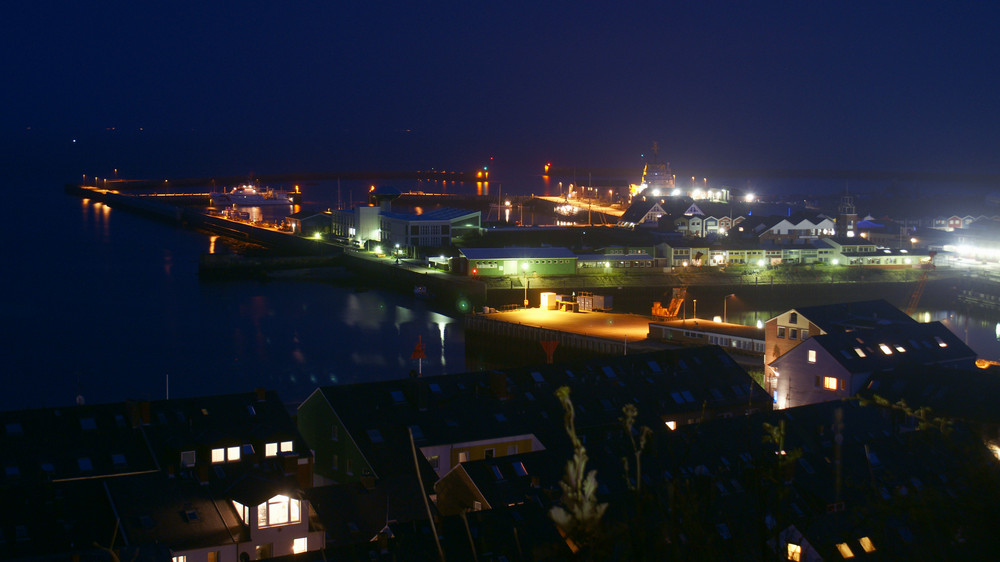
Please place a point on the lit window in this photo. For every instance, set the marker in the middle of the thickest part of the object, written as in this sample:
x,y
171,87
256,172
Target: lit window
x,y
845,550
463,456
218,455
279,510
270,449
794,552
180,558
243,512
830,383
300,545
812,355
900,349
860,352
672,425
233,453
885,349
866,543
940,342
286,446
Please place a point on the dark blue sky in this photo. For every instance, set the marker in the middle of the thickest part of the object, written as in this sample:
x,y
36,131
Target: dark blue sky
x,y
206,88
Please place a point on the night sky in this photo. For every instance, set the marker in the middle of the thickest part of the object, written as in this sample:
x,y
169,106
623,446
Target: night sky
x,y
198,88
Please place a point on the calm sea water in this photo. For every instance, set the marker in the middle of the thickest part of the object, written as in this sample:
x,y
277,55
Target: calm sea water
x,y
107,305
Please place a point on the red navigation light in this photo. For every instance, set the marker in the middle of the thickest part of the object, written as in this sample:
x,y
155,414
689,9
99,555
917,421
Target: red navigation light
x,y
475,271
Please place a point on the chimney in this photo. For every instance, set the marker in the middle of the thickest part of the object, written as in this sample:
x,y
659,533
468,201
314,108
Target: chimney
x,y
498,384
133,413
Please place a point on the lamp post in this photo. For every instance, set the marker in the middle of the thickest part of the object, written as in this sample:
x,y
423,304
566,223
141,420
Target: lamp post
x,y
725,301
524,267
694,314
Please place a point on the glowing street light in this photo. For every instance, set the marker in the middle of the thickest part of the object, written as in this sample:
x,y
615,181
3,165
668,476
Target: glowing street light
x,y
524,267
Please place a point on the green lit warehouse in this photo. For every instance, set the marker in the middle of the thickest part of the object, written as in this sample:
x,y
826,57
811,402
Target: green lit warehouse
x,y
499,262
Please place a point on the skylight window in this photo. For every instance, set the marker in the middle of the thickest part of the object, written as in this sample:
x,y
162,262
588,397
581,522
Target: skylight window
x,y
866,544
687,396
435,388
940,342
375,436
88,423
398,397
537,377
845,550
519,469
900,348
654,366
885,349
860,352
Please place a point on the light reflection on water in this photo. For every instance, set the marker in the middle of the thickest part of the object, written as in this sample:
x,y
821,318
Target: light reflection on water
x,y
109,305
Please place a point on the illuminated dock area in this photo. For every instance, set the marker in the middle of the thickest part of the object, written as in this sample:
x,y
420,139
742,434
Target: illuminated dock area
x,y
609,333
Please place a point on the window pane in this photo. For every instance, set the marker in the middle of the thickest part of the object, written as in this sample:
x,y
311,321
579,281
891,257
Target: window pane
x,y
233,453
277,510
218,455
270,449
286,446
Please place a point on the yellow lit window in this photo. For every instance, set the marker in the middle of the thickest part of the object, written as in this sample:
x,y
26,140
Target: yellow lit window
x,y
794,552
243,511
233,453
180,558
830,383
672,425
885,349
866,543
812,355
279,510
270,449
860,352
286,446
218,455
300,545
845,550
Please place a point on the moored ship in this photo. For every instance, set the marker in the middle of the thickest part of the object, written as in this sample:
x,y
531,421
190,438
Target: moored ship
x,y
250,196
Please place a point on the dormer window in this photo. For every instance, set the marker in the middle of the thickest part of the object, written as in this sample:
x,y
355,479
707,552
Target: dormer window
x,y
286,447
279,510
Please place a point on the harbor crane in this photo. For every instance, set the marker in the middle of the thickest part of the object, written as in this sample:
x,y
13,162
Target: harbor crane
x,y
921,283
